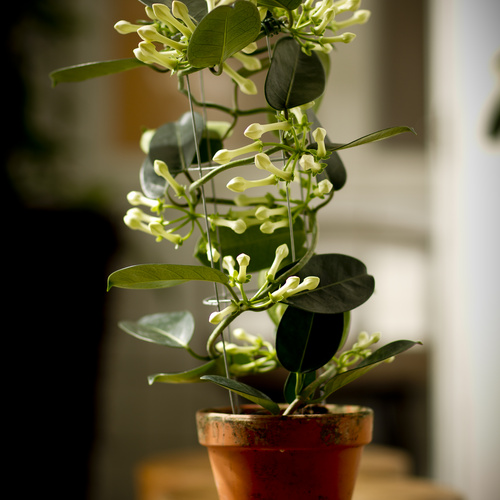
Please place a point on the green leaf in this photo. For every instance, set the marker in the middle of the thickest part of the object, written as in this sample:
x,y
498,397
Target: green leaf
x,y
376,136
214,367
254,243
294,78
152,276
377,357
245,391
172,329
223,32
86,71
175,144
344,284
291,390
284,4
305,341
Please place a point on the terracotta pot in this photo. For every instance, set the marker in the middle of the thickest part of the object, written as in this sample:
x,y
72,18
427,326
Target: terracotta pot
x,y
306,457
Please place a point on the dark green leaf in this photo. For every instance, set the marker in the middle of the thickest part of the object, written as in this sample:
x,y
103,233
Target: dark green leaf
x,y
152,276
175,144
305,341
376,136
294,78
291,390
344,284
379,356
285,4
214,367
173,329
223,32
245,391
255,243
87,71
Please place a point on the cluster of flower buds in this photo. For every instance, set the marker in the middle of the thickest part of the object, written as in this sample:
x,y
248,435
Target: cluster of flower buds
x,y
171,29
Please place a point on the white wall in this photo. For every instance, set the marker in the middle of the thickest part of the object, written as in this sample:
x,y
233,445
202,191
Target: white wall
x,y
465,173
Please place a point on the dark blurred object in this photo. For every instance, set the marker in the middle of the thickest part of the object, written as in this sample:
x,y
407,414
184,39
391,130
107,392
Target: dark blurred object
x,y
55,267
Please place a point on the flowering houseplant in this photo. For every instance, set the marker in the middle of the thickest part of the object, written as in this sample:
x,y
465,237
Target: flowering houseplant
x,y
256,242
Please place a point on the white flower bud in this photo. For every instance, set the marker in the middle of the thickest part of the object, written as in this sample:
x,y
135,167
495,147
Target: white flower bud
x,y
263,162
137,198
323,187
238,226
158,230
240,184
291,283
280,255
180,11
319,136
256,130
124,27
161,169
243,261
245,84
309,283
264,213
269,227
224,156
307,163
218,316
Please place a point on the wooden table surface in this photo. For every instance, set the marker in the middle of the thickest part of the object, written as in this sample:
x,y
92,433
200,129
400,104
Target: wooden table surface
x,y
385,474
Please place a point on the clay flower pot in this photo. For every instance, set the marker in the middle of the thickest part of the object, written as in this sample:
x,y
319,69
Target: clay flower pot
x,y
260,456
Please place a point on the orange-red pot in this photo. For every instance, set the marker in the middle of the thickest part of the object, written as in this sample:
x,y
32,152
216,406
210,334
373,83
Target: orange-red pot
x,y
306,457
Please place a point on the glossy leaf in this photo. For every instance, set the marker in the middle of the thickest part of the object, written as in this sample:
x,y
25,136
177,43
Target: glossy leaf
x,y
284,4
376,136
245,391
294,78
152,276
223,32
377,357
344,284
305,341
175,144
255,243
172,329
214,367
81,72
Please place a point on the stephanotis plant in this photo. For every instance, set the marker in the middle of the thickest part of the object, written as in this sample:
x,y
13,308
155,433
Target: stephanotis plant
x,y
255,240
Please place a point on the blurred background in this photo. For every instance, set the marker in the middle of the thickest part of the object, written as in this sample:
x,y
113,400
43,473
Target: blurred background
x,y
420,211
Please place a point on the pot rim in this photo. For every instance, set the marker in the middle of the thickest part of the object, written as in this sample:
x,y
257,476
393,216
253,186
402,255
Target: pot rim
x,y
257,412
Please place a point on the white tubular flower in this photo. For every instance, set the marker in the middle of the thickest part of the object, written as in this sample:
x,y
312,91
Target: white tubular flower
x,y
365,340
256,130
243,261
264,213
146,52
224,156
145,140
161,169
163,14
149,34
240,184
263,162
124,27
347,5
269,227
251,47
242,200
136,219
344,38
307,163
309,283
228,264
319,136
359,17
325,20
320,8
245,84
137,198
250,63
290,284
212,254
180,11
238,226
159,231
218,316
280,255
323,187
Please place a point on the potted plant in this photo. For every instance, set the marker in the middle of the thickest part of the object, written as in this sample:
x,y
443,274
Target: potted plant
x,y
256,237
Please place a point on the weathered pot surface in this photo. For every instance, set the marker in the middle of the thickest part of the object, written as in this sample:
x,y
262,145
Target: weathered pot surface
x,y
256,455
